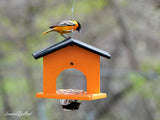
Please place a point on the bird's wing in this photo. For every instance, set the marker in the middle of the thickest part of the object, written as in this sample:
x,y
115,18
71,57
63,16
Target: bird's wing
x,y
65,23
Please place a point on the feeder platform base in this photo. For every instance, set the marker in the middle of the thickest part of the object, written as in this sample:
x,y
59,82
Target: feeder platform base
x,y
86,96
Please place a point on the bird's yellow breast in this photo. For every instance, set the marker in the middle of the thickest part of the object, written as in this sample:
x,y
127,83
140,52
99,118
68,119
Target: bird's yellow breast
x,y
64,29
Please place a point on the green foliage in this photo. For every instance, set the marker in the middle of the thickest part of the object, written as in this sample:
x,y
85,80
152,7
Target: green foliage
x,y
7,46
5,21
140,85
144,87
153,85
123,2
152,65
87,6
52,13
137,81
15,89
156,67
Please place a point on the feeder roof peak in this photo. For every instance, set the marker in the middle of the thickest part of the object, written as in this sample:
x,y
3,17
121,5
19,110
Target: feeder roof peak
x,y
67,42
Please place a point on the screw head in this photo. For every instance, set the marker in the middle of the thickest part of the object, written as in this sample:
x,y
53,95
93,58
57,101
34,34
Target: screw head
x,y
71,63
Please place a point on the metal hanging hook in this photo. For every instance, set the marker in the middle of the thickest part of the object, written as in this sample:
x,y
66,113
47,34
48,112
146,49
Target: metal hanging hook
x,y
72,10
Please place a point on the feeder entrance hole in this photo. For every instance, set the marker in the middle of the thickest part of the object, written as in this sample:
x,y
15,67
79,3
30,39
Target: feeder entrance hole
x,y
71,79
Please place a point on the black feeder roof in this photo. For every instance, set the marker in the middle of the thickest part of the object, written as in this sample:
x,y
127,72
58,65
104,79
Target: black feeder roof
x,y
65,43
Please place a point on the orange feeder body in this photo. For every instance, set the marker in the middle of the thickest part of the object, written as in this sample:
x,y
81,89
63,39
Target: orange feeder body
x,y
71,56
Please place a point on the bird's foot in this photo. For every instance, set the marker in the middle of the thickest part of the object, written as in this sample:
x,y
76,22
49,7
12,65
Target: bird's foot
x,y
66,37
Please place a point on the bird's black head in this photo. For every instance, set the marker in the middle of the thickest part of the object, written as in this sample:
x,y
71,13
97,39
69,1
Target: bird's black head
x,y
79,27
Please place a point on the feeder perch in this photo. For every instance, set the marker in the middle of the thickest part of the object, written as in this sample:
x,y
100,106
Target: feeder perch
x,y
71,53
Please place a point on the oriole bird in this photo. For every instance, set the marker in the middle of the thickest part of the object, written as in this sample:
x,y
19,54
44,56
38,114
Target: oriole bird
x,y
66,26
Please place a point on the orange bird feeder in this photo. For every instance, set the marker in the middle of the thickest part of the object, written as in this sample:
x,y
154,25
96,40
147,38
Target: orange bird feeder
x,y
71,53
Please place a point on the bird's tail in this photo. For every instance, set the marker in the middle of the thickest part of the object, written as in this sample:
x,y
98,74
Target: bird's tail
x,y
47,31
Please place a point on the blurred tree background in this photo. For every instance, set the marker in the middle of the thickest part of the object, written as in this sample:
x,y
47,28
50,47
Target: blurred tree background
x,y
127,29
